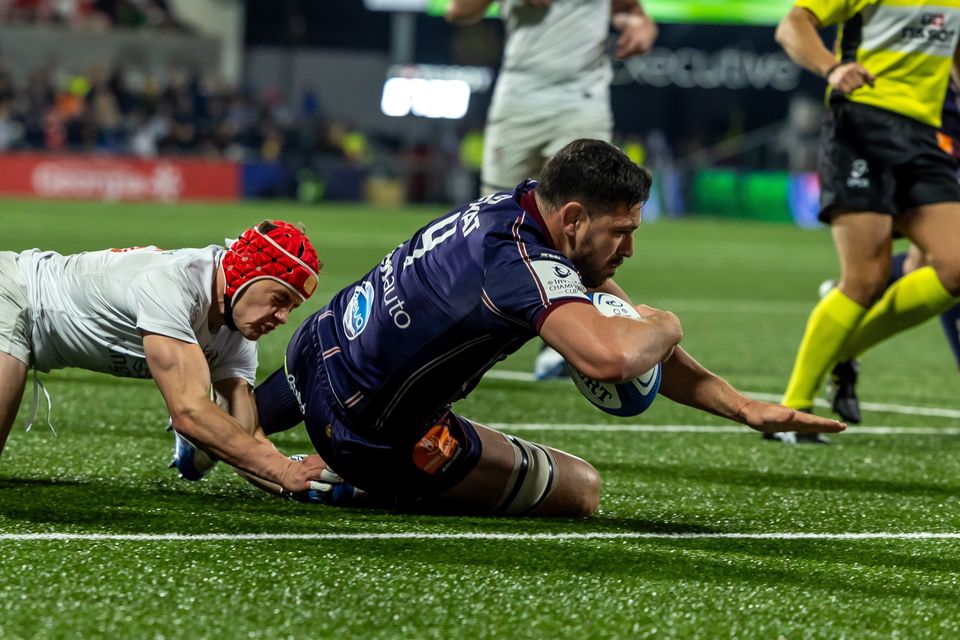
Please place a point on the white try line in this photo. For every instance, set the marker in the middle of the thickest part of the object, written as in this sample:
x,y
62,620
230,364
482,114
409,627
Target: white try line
x,y
879,407
511,427
489,536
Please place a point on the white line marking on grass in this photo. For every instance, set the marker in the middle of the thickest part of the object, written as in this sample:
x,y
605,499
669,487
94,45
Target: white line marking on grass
x,y
880,407
700,428
492,536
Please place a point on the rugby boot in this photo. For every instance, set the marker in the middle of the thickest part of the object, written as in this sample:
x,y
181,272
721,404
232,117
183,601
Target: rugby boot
x,y
842,391
191,462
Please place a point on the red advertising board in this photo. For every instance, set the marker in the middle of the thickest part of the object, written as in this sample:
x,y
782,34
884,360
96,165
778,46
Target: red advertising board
x,y
81,177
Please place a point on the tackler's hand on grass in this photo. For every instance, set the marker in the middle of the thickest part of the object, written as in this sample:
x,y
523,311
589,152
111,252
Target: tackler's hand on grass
x,y
327,488
773,418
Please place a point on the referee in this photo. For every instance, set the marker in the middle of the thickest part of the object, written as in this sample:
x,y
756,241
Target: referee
x,y
881,171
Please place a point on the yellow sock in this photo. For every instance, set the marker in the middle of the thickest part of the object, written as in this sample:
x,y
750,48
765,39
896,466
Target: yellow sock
x,y
831,323
915,297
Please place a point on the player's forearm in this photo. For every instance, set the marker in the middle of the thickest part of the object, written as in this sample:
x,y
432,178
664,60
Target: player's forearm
x,y
686,381
644,344
797,34
224,438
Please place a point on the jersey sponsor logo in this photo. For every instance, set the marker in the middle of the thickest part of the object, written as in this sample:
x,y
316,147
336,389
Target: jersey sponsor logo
x,y
558,280
858,174
357,314
391,298
436,450
932,27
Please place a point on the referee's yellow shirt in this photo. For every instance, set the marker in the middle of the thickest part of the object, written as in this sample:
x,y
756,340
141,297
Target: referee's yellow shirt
x,y
907,45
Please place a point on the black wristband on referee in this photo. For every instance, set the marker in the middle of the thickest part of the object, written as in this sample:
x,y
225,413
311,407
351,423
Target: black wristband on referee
x,y
826,74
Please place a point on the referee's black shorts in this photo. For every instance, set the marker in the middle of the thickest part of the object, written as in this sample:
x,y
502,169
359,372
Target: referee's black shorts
x,y
874,160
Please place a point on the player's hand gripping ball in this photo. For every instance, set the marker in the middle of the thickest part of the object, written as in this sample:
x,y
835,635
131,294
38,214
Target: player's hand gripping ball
x,y
624,399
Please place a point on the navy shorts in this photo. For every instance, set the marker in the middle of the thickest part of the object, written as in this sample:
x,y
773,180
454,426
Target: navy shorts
x,y
406,463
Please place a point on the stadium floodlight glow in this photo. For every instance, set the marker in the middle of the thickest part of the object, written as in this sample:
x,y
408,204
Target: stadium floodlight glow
x,y
425,98
396,100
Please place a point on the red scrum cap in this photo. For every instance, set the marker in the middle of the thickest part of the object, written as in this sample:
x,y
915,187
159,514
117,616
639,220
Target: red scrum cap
x,y
274,250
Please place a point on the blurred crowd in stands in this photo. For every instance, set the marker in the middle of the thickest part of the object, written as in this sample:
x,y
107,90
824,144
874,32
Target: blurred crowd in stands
x,y
127,110
90,14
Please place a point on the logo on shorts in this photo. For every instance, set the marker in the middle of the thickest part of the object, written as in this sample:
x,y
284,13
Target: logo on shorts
x,y
436,450
358,310
858,172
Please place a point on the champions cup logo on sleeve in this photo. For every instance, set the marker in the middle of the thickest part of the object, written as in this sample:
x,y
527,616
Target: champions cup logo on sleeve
x,y
357,314
558,279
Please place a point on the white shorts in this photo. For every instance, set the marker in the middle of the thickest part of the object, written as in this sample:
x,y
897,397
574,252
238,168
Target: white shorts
x,y
517,141
14,311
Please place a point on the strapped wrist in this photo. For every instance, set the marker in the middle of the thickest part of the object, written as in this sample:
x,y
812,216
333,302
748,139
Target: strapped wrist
x,y
831,68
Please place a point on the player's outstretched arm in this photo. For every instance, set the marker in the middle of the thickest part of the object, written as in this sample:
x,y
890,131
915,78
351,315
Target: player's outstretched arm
x,y
466,12
686,381
610,349
181,373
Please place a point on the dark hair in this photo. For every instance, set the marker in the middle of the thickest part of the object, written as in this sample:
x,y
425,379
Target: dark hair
x,y
595,173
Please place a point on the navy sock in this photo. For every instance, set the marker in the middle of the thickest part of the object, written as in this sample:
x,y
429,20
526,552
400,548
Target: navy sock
x,y
277,407
896,267
949,320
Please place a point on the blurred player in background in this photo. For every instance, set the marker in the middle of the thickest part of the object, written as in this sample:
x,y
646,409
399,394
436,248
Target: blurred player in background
x,y
881,171
843,377
188,318
373,374
553,87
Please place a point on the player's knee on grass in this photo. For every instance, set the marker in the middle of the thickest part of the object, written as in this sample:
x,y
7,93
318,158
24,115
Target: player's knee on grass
x,y
577,493
515,477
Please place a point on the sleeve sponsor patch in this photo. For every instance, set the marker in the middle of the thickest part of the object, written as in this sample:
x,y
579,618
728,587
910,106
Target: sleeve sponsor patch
x,y
558,279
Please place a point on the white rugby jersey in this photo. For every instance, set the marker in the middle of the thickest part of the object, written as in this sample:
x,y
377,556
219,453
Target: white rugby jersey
x,y
561,47
89,309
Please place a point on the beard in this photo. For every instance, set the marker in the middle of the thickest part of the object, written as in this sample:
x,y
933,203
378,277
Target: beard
x,y
593,271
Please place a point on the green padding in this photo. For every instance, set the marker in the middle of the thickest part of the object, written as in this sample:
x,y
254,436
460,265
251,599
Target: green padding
x,y
761,12
765,196
714,192
735,194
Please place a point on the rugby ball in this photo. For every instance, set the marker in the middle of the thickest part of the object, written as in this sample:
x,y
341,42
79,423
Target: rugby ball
x,y
626,398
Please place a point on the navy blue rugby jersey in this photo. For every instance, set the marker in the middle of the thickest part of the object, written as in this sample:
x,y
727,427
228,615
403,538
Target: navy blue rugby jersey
x,y
419,330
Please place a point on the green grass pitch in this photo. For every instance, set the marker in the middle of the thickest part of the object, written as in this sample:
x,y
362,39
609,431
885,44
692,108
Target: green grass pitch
x,y
653,563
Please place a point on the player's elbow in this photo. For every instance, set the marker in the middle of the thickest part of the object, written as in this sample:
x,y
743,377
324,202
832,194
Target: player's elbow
x,y
185,418
781,35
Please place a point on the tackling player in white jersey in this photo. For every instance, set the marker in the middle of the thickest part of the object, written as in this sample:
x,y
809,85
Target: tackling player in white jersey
x,y
188,318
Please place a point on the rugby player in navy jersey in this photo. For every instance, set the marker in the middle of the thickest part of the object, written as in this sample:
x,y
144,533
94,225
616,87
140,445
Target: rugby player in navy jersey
x,y
373,374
